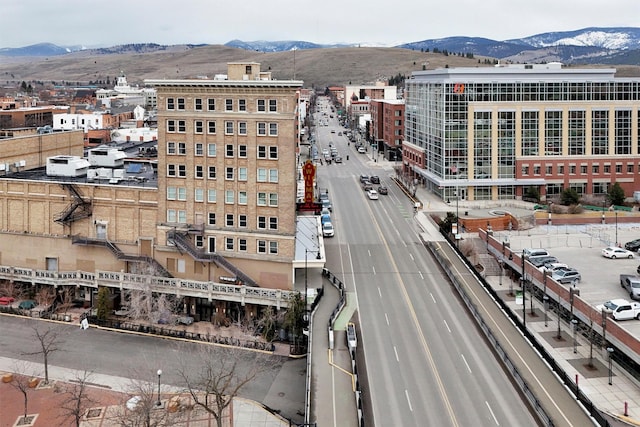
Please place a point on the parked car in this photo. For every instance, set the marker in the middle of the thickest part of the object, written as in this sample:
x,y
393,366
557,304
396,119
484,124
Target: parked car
x,y
325,218
566,277
633,245
612,252
611,305
383,190
375,179
542,260
27,304
631,284
535,252
6,300
372,194
621,309
326,204
364,178
554,266
327,230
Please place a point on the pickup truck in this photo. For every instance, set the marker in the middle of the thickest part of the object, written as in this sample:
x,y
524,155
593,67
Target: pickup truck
x,y
626,311
631,284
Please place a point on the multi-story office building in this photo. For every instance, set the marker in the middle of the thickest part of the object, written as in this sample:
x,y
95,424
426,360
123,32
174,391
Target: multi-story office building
x,y
214,222
492,133
387,127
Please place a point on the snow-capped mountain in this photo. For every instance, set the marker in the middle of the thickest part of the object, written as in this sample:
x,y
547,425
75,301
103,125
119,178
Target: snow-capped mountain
x,y
608,38
278,46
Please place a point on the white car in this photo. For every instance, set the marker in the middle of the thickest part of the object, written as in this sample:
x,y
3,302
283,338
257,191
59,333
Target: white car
x,y
327,230
373,194
611,305
613,253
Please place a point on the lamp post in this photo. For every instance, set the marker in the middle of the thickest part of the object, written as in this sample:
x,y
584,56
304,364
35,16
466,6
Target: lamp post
x,y
524,288
603,206
616,214
545,298
158,403
610,353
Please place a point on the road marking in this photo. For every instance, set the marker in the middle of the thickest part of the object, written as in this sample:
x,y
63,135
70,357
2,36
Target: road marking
x,y
465,362
374,270
447,325
411,256
369,252
396,352
492,414
421,276
408,400
379,293
432,297
404,243
387,318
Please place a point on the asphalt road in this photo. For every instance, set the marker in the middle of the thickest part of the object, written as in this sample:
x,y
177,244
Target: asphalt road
x,y
426,361
280,385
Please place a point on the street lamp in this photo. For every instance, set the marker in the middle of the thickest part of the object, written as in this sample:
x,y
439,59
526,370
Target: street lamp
x,y
524,294
616,214
603,203
158,403
610,353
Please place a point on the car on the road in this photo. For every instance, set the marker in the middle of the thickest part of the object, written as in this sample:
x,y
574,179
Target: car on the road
x,y
339,133
326,204
383,190
338,159
633,245
362,150
375,179
372,194
27,304
572,276
325,218
367,186
364,178
333,131
612,252
327,230
6,300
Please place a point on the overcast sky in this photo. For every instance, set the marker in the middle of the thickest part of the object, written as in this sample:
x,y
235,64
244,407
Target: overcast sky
x,y
104,23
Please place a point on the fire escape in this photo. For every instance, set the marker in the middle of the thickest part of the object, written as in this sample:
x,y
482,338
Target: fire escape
x,y
155,267
79,207
184,244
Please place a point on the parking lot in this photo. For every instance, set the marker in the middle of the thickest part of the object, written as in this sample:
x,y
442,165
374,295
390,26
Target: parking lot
x,y
581,247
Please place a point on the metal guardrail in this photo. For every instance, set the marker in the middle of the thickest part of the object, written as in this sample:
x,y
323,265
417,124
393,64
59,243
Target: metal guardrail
x,y
167,285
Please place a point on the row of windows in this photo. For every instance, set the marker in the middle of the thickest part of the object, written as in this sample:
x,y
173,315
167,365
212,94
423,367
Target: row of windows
x,y
262,174
180,149
230,196
230,220
261,106
231,243
573,169
579,187
230,127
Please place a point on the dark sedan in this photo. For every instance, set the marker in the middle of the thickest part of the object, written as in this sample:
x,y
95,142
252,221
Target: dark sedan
x,y
633,245
383,190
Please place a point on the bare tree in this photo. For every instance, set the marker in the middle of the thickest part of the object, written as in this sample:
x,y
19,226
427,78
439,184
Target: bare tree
x,y
49,342
143,305
219,376
76,399
141,407
22,383
45,296
66,295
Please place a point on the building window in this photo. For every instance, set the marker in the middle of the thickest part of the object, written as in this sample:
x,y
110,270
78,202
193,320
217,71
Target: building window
x,y
553,133
211,127
273,199
273,175
229,220
536,170
262,152
228,175
242,245
600,132
171,193
618,168
211,150
273,248
171,126
211,195
212,172
583,169
171,104
182,194
229,197
211,104
262,246
273,153
629,167
242,174
228,105
199,172
197,104
273,106
577,133
229,150
242,105
525,170
262,223
262,106
242,197
228,243
171,148
182,148
199,195
181,104
262,175
262,128
273,129
622,142
607,169
182,126
171,215
273,223
198,126
262,199
171,170
560,169
595,169
198,149
211,244
242,221
182,171
198,240
211,218
599,188
549,169
242,128
228,128
242,151
530,133
572,169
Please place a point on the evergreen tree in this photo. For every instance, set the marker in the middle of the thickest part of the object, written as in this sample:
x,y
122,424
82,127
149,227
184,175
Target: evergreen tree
x,y
616,195
103,303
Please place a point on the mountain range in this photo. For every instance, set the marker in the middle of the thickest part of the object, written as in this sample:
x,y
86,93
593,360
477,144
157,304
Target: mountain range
x,y
593,45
